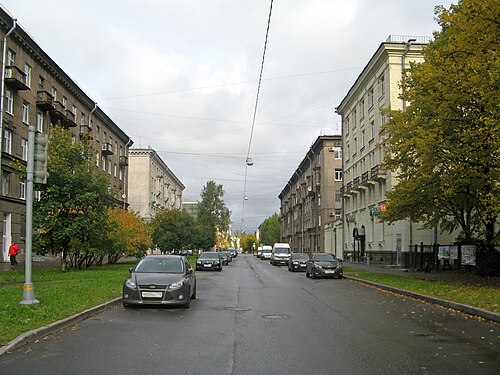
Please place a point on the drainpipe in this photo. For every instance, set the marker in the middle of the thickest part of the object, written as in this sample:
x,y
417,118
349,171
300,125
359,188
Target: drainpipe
x,y
14,24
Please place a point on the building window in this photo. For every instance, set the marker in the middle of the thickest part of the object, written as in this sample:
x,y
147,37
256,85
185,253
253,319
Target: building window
x,y
24,149
9,102
7,141
5,182
370,97
381,85
27,71
337,152
362,108
337,196
338,174
64,101
22,190
103,163
97,159
109,166
354,118
39,121
372,128
363,140
121,174
11,58
26,113
116,171
54,93
82,120
97,131
41,82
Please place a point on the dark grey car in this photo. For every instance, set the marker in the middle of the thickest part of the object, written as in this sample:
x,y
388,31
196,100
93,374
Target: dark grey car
x,y
324,265
160,280
298,262
209,260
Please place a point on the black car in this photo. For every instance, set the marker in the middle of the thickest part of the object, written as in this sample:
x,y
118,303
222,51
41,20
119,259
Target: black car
x,y
297,262
160,280
209,261
324,265
225,257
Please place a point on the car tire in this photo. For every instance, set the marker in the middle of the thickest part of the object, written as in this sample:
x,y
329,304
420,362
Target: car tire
x,y
194,292
313,276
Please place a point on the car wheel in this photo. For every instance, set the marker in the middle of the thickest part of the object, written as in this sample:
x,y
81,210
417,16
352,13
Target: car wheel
x,y
194,292
313,276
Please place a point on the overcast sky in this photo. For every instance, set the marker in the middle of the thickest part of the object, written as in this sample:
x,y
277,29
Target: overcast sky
x,y
181,77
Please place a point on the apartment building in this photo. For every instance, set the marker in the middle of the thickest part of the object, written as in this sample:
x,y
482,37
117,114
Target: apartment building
x,y
152,186
364,183
38,92
311,198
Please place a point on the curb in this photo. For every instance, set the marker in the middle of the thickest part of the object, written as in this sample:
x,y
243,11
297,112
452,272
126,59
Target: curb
x,y
449,304
38,333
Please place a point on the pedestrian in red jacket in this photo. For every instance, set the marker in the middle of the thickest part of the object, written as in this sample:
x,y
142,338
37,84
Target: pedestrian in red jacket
x,y
13,249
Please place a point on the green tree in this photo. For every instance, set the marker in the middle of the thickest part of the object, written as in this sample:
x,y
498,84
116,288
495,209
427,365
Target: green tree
x,y
446,146
247,242
71,215
270,230
213,214
174,230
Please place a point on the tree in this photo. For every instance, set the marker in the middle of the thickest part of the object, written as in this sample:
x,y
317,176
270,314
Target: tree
x,y
270,230
446,145
174,230
129,235
213,214
71,215
247,242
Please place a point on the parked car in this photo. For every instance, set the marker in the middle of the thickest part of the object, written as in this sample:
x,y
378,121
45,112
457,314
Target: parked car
x,y
226,257
233,252
160,280
297,262
280,254
324,265
259,251
209,260
266,252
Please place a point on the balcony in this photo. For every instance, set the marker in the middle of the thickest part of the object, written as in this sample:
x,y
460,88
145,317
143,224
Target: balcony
x,y
70,120
44,101
123,161
107,149
15,78
58,113
377,174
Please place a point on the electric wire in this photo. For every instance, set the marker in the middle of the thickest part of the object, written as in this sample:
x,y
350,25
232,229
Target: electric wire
x,y
254,116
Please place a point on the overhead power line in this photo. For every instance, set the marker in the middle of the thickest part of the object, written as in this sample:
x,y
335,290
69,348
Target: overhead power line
x,y
247,161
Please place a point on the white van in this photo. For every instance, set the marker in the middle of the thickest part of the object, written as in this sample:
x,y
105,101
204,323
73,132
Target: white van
x,y
266,252
281,253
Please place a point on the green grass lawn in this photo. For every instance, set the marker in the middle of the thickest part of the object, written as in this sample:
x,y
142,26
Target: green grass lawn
x,y
472,291
61,294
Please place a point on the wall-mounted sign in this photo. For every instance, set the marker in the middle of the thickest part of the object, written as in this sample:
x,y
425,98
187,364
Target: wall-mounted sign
x,y
468,255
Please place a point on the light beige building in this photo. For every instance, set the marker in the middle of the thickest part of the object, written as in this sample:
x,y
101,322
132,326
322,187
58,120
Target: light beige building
x,y
365,183
311,198
152,186
38,92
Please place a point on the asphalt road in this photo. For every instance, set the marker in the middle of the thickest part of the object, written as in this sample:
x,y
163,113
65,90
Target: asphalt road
x,y
253,318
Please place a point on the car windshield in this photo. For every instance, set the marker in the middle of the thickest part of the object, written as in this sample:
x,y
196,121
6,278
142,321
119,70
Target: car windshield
x,y
300,256
266,251
281,250
324,258
156,265
209,256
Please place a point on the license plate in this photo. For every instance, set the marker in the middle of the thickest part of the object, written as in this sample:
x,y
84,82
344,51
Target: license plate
x,y
152,294
207,265
329,271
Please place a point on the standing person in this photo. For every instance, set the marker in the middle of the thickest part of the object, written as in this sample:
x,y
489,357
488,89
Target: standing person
x,y
13,249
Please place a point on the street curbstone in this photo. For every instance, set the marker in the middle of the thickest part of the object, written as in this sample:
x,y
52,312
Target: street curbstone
x,y
38,333
489,315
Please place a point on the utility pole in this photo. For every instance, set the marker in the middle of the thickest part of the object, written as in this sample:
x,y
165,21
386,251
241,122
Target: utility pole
x,y
36,172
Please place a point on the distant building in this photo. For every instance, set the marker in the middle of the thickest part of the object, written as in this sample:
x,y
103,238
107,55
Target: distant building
x,y
311,198
36,91
152,186
190,206
364,182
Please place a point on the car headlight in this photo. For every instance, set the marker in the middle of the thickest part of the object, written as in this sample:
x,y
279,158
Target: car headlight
x,y
318,266
131,284
216,262
198,262
176,285
295,262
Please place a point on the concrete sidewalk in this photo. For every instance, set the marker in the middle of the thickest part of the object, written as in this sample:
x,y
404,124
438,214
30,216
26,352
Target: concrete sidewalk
x,y
37,262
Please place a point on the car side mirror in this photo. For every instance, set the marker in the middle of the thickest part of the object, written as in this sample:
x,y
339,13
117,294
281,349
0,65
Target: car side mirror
x,y
131,269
